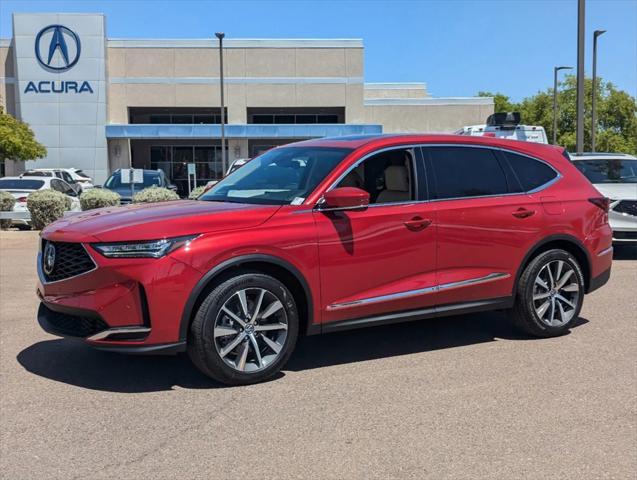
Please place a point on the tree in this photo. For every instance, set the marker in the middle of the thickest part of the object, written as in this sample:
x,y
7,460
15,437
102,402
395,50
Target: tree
x,y
502,102
17,141
616,114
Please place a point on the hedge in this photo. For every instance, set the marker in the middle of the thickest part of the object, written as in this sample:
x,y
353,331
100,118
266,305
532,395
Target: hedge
x,y
46,206
99,198
155,194
7,202
196,192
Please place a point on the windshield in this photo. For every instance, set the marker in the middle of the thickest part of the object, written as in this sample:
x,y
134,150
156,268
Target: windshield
x,y
278,177
150,179
19,184
611,170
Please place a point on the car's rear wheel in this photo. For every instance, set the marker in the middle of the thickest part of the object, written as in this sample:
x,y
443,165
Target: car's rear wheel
x,y
245,330
549,294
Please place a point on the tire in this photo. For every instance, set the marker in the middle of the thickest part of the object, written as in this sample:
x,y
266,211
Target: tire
x,y
549,298
230,314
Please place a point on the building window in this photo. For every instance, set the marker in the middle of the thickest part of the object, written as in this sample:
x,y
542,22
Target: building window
x,y
175,115
300,115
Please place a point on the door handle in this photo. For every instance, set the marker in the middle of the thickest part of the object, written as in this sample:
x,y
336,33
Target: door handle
x,y
523,213
417,223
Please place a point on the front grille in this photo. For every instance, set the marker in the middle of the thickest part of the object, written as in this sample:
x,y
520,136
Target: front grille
x,y
72,325
627,206
625,235
71,259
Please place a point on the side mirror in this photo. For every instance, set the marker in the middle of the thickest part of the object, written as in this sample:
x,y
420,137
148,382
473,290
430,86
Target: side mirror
x,y
345,198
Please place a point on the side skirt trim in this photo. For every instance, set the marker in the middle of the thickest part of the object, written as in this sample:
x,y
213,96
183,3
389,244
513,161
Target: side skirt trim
x,y
412,293
421,314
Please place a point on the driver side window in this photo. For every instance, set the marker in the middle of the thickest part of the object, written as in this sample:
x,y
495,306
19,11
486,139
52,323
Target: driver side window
x,y
388,177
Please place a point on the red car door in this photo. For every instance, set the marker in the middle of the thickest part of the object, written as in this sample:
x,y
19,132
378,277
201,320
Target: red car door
x,y
485,223
381,259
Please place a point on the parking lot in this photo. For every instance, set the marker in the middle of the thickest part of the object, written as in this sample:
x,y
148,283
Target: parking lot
x,y
464,397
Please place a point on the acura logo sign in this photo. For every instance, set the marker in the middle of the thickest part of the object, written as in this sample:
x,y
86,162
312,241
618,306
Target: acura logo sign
x,y
49,258
57,48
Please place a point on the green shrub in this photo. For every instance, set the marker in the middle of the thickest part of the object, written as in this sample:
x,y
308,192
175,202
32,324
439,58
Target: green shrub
x,y
99,198
46,206
194,194
7,202
155,194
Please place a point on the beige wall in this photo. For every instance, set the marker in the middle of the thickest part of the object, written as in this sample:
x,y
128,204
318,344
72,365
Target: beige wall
x,y
175,67
7,90
395,91
426,118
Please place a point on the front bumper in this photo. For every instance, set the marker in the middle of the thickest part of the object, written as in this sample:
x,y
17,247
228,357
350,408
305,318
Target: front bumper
x,y
124,305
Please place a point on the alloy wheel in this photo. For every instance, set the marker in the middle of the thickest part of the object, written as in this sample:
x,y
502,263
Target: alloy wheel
x,y
556,293
250,329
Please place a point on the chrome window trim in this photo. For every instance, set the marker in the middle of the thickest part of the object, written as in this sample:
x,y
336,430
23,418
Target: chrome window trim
x,y
41,271
412,293
462,145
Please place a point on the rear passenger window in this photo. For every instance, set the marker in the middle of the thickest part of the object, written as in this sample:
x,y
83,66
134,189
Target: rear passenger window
x,y
531,173
466,172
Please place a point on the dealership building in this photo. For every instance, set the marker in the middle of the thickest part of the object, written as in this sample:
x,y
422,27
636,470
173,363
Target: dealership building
x,y
101,103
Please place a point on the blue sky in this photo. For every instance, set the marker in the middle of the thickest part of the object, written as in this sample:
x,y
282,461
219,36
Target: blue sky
x,y
457,47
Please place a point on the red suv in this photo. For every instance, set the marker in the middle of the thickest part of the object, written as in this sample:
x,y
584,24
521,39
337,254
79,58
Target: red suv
x,y
326,235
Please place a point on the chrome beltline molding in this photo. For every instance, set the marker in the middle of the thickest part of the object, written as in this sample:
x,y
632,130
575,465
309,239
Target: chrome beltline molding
x,y
420,291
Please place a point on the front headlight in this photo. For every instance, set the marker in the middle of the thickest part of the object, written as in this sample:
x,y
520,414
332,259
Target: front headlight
x,y
143,249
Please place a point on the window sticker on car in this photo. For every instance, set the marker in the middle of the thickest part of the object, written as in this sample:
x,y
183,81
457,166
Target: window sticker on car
x,y
297,201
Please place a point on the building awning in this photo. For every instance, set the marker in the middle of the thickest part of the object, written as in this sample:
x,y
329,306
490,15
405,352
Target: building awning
x,y
206,131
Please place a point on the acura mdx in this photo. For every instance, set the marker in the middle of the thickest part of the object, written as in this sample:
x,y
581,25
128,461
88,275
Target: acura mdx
x,y
326,235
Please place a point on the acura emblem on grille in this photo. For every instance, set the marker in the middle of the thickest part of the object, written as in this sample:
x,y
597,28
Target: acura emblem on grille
x,y
49,258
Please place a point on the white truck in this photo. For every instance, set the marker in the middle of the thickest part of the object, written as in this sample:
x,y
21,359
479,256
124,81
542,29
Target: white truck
x,y
506,125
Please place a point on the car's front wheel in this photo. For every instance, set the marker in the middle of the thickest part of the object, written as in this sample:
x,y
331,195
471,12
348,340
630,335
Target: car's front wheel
x,y
549,294
245,329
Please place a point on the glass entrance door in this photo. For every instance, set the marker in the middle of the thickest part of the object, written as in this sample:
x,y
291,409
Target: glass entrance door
x,y
174,160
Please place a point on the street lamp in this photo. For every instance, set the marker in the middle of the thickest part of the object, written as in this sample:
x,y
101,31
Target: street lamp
x,y
596,34
555,70
581,29
220,36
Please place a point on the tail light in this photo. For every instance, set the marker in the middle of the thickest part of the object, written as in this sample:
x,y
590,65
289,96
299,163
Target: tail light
x,y
601,202
21,199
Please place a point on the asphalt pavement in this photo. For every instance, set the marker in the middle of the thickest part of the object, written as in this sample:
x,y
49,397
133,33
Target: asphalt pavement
x,y
464,397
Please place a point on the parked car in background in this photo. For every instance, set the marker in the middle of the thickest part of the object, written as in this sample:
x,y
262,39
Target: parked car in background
x,y
327,235
506,125
66,174
20,187
82,178
615,176
152,178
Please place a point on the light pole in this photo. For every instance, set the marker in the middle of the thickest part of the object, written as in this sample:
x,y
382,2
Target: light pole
x,y
579,135
555,70
220,36
596,34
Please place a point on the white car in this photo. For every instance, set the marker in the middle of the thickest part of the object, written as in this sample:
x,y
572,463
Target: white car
x,y
73,176
21,187
506,125
615,176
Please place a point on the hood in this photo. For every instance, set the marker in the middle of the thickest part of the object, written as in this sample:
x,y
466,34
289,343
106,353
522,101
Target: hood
x,y
125,191
157,220
618,191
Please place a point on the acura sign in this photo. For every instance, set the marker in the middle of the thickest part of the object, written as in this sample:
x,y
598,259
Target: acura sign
x,y
58,49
